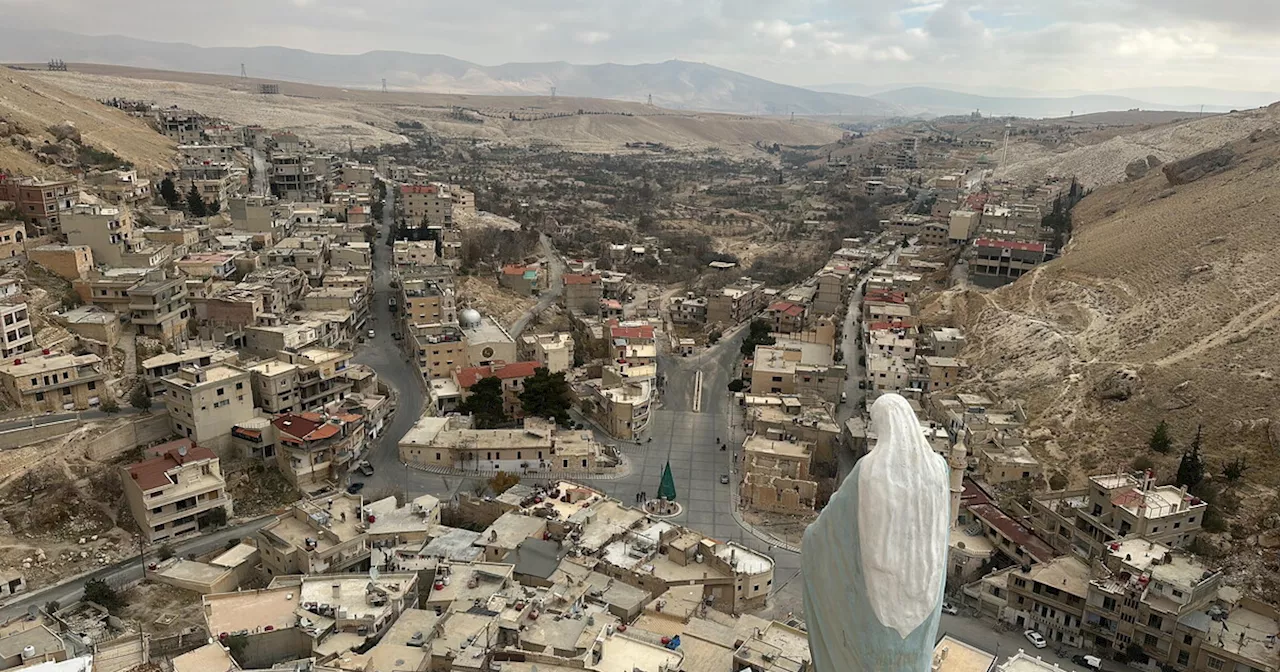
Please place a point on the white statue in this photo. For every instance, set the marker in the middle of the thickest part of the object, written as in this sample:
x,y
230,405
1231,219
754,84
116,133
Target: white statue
x,y
874,562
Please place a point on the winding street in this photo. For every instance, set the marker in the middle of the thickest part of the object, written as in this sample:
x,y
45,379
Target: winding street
x,y
555,286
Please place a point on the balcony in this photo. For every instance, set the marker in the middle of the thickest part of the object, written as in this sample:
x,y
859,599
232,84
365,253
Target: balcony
x,y
200,507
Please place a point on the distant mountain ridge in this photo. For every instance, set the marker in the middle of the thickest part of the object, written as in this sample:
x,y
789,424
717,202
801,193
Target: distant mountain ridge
x,y
673,84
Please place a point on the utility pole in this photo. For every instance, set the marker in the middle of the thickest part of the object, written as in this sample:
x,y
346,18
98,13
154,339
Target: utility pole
x,y
243,73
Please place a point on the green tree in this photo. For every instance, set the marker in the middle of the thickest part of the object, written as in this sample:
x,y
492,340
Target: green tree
x,y
502,482
109,405
1191,467
1142,463
484,401
195,204
757,334
1058,481
139,398
97,590
214,207
1160,441
547,395
165,551
1234,469
169,193
736,385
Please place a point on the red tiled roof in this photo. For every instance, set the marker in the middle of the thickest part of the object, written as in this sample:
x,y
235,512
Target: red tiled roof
x,y
514,269
787,308
150,474
993,516
885,296
1009,245
305,426
882,325
579,279
418,189
631,332
471,376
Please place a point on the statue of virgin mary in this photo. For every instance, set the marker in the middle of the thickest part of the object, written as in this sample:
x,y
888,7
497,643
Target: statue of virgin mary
x,y
875,560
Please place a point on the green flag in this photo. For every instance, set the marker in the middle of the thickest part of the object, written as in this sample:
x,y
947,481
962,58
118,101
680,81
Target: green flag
x,y
667,490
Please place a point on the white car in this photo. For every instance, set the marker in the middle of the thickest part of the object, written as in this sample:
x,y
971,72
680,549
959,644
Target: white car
x,y
948,608
371,333
1036,639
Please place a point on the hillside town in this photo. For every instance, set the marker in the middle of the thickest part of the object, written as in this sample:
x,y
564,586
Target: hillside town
x,y
281,406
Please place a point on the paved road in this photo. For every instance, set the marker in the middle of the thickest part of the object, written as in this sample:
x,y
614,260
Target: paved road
x,y
555,286
84,416
386,356
127,570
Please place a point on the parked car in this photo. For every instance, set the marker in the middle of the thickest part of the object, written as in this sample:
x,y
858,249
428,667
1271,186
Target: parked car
x,y
365,468
355,488
1091,662
948,608
371,333
724,479
1036,639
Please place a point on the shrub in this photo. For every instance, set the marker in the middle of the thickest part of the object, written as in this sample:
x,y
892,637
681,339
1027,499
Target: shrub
x,y
109,405
97,590
1142,463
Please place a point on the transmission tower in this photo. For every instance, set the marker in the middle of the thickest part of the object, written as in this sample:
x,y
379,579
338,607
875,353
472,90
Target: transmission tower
x,y
243,73
651,99
553,92
384,84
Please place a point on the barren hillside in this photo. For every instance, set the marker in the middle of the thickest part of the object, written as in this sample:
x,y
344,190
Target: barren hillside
x,y
331,116
1103,163
31,105
1166,305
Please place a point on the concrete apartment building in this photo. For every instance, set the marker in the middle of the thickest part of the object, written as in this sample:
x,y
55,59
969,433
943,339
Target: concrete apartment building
x,y
215,181
205,403
689,310
1002,261
53,382
426,205
176,492
182,126
1050,599
963,225
888,373
583,292
487,341
1116,506
440,349
785,317
736,303
217,265
523,279
40,202
832,285
946,342
159,308
72,262
316,536
315,448
428,302
18,336
108,231
414,253
301,381
797,368
776,475
553,351
622,400
122,187
165,364
305,254
939,374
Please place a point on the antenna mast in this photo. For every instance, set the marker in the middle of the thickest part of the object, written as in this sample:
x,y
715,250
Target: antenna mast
x,y
553,93
384,84
243,74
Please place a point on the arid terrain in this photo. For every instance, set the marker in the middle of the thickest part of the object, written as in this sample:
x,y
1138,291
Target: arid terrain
x,y
1165,306
30,105
333,117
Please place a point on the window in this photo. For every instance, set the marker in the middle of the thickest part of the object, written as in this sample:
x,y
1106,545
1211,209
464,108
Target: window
x,y
1186,639
239,386
1214,663
1184,657
39,396
1150,641
222,391
93,384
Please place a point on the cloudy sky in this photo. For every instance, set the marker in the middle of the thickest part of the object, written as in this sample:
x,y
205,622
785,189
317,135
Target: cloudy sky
x,y
1023,44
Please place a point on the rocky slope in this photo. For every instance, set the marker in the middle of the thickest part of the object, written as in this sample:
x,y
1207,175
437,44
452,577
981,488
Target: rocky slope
x,y
1165,306
31,108
1104,162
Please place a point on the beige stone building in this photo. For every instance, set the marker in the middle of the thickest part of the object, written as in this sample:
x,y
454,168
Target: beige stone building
x,y
583,292
426,205
776,476
301,381
16,336
72,262
736,303
176,492
12,235
313,449
159,307
553,351
156,369
939,374
316,536
407,253
1050,599
797,368
440,349
54,382
539,445
205,403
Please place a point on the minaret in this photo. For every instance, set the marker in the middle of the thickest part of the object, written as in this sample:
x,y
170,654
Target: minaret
x,y
958,462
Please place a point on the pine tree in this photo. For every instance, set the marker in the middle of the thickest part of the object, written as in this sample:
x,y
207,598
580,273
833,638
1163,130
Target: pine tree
x,y
1160,441
195,204
484,401
169,193
547,395
1191,467
139,398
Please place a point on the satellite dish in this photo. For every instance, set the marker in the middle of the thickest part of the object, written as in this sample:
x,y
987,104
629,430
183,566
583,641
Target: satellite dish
x,y
373,573
33,611
182,451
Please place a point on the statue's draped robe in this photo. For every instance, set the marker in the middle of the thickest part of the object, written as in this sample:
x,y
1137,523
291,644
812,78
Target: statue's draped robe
x,y
845,634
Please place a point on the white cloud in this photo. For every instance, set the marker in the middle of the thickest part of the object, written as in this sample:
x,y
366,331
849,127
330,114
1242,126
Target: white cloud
x,y
592,37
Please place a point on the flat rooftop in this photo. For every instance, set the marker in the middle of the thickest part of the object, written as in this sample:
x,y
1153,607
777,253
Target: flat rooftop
x,y
352,592
794,449
393,651
623,654
252,610
452,543
960,657
743,559
510,529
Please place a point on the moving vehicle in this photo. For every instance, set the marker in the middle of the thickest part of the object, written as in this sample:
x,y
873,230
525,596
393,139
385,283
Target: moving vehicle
x,y
724,479
365,468
371,333
355,488
1037,640
948,608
